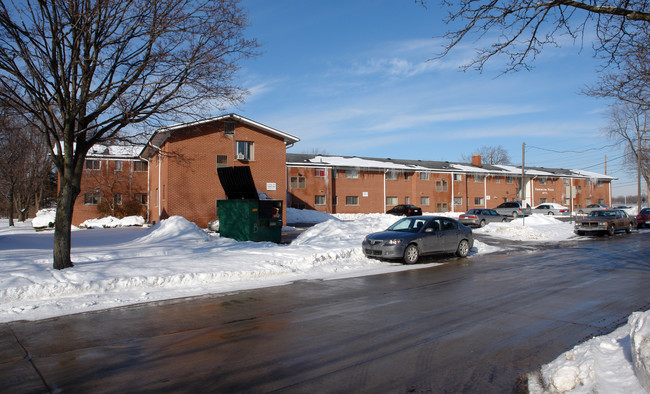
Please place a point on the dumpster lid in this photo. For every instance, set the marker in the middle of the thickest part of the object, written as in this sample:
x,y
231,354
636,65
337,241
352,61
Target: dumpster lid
x,y
238,183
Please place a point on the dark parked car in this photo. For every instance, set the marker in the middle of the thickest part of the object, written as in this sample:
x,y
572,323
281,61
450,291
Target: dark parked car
x,y
605,221
412,237
643,218
514,209
481,217
405,210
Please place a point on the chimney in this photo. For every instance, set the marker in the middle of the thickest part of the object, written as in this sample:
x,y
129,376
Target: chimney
x,y
476,160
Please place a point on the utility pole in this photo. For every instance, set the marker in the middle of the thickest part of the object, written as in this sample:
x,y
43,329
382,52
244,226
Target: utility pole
x,y
523,186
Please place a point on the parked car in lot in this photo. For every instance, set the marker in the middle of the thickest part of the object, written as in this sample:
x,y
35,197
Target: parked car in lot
x,y
605,221
412,237
405,210
514,209
551,208
481,217
643,218
592,207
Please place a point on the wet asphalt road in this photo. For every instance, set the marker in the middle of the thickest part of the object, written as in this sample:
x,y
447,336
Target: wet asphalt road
x,y
471,325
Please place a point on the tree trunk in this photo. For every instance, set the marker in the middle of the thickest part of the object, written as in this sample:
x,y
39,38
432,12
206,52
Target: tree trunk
x,y
70,188
62,232
11,206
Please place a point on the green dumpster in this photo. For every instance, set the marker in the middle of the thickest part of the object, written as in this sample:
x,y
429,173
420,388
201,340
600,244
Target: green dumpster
x,y
250,220
243,216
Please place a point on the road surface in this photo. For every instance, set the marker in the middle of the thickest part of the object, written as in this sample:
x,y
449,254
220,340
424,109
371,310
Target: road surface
x,y
470,325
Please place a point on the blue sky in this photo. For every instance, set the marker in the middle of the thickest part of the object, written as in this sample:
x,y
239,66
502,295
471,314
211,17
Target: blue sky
x,y
354,78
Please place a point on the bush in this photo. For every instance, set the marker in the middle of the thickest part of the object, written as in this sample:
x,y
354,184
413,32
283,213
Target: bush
x,y
128,208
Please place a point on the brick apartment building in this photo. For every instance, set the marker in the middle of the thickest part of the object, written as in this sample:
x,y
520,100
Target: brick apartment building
x,y
183,162
176,174
338,184
114,176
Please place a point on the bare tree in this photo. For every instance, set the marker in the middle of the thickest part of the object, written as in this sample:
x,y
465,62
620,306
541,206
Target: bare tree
x,y
628,126
524,27
24,165
489,155
87,71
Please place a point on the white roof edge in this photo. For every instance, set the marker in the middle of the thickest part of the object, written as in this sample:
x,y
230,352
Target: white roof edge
x,y
287,137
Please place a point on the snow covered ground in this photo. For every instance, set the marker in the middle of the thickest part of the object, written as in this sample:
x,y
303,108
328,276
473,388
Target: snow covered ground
x,y
116,266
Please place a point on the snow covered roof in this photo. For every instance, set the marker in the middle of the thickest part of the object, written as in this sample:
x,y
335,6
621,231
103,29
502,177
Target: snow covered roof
x,y
160,136
115,151
378,164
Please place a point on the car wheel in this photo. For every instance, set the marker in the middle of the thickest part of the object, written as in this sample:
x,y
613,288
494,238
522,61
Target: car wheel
x,y
482,224
515,214
411,254
463,248
628,229
551,214
580,212
505,220
611,230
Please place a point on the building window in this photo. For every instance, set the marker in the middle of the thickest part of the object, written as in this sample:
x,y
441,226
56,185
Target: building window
x,y
510,180
478,178
222,161
587,182
424,176
588,201
441,186
406,176
478,200
458,201
600,183
391,175
352,174
407,200
542,181
298,182
118,166
497,179
567,201
335,200
391,200
93,164
458,177
424,201
229,127
320,172
351,200
245,151
91,198
335,174
117,199
140,166
542,201
141,198
320,200
441,207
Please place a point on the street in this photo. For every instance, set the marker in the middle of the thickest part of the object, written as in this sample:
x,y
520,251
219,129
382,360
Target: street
x,y
471,325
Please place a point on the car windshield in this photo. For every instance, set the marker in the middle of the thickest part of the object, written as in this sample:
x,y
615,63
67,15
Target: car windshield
x,y
602,213
409,225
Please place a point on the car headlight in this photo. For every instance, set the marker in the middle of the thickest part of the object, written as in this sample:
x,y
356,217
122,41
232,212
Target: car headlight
x,y
393,241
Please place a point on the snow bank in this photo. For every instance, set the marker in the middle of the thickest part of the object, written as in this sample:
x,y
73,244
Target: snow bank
x,y
112,222
602,364
175,228
640,347
307,216
537,227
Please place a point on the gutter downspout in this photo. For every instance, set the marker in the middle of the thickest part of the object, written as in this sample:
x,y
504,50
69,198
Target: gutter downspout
x,y
385,172
453,207
485,192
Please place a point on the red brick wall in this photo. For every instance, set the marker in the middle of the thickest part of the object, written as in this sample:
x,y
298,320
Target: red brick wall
x,y
190,185
108,182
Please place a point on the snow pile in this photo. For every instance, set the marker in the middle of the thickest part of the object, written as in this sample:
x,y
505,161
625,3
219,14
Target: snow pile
x,y
44,218
602,364
306,216
537,227
111,222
